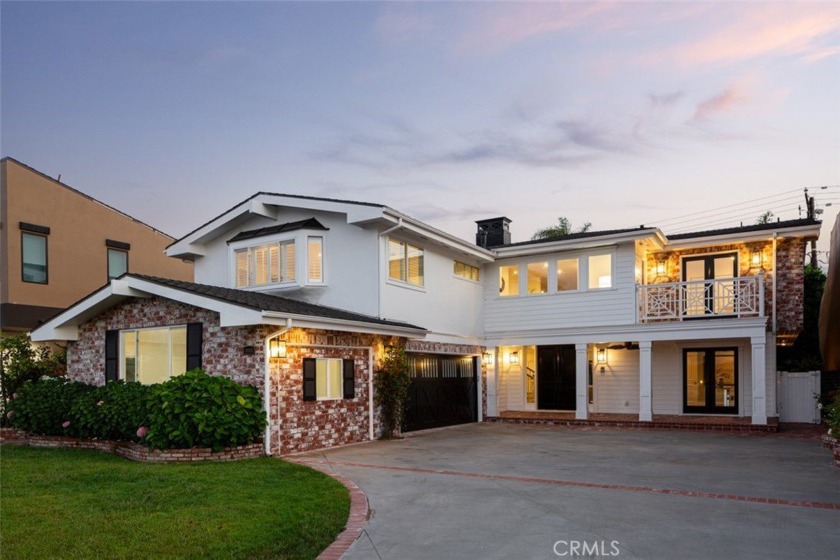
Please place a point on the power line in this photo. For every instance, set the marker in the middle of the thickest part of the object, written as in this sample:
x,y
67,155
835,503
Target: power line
x,y
786,193
738,211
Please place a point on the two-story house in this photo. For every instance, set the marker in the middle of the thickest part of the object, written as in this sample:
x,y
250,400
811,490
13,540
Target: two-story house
x,y
59,244
300,295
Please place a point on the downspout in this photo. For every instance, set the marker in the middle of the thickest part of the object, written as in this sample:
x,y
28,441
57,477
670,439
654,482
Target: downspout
x,y
267,387
775,274
379,265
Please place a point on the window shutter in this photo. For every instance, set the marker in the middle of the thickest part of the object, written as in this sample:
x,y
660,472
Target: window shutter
x,y
309,379
112,355
194,346
349,379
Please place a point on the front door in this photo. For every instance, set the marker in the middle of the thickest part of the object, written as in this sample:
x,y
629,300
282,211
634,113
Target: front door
x,y
710,380
703,297
556,377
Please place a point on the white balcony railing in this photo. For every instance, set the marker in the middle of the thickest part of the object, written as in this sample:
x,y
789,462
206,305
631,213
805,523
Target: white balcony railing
x,y
678,301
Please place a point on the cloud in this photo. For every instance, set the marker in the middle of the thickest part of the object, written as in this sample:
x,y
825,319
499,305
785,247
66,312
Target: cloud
x,y
720,102
666,100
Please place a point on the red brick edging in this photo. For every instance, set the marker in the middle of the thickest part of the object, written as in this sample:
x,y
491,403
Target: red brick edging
x,y
356,521
131,450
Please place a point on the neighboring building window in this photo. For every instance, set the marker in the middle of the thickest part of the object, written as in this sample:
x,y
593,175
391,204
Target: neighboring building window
x,y
509,280
538,278
153,355
271,263
315,255
567,275
600,271
117,263
466,271
34,257
405,262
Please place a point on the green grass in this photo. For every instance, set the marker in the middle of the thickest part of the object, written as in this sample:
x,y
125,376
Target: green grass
x,y
61,503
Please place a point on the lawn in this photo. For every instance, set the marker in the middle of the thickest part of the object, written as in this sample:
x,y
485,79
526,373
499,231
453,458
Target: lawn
x,y
61,503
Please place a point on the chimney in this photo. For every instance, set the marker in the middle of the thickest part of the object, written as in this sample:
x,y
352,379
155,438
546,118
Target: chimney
x,y
493,232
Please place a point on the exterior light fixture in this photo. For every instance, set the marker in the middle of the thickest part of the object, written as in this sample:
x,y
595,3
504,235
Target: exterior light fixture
x,y
755,257
487,359
514,357
276,348
661,266
601,356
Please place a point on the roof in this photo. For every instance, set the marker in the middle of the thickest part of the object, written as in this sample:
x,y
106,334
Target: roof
x,y
746,229
574,236
311,223
267,302
87,196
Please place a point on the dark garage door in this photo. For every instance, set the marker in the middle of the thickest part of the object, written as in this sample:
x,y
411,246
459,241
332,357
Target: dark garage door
x,y
442,391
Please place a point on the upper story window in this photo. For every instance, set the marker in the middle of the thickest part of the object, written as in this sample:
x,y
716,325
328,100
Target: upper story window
x,y
405,262
509,280
600,271
269,263
117,263
467,271
567,275
538,278
34,258
315,258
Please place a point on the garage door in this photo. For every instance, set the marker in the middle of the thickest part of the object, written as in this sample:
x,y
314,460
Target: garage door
x,y
442,391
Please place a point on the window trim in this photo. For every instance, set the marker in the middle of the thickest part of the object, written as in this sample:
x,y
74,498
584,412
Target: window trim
x,y
46,239
299,238
323,279
121,349
340,391
397,281
612,286
577,275
108,251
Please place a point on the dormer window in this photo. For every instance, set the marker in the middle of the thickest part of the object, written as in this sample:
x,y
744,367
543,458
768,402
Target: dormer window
x,y
270,263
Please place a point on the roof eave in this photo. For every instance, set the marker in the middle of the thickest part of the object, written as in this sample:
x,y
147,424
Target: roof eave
x,y
441,237
583,243
327,323
811,231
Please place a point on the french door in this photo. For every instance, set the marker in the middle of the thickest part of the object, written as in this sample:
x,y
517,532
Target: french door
x,y
710,284
710,380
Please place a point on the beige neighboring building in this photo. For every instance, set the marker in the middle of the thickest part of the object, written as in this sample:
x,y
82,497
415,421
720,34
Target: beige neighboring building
x,y
59,245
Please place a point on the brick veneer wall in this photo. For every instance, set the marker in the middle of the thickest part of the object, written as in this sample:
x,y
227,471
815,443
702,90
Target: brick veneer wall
x,y
790,256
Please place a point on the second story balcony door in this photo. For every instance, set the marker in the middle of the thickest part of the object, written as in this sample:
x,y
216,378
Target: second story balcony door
x,y
703,297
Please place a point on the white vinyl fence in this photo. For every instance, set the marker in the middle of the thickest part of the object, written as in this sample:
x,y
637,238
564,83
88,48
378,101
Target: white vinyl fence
x,y
798,396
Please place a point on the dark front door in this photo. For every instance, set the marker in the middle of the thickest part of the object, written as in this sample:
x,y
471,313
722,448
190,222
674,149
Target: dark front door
x,y
442,391
710,380
556,377
710,284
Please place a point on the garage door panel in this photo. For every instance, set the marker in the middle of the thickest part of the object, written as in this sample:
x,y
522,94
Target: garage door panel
x,y
442,391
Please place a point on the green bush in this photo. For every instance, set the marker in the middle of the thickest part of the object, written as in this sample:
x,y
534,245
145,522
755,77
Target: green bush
x,y
115,411
20,362
43,407
199,410
391,384
831,414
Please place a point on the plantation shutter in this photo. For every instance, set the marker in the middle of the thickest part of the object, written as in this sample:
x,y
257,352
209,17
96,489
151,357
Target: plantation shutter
x,y
193,346
112,355
309,379
349,379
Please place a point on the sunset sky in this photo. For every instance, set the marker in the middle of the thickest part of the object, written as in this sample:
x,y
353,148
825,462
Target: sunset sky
x,y
614,114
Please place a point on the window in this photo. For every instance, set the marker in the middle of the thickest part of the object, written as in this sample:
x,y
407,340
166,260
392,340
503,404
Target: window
x,y
153,355
34,258
538,278
567,275
117,263
600,271
328,378
315,254
270,263
710,378
509,280
405,262
467,271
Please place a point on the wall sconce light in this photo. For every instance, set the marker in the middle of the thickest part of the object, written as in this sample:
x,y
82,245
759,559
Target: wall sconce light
x,y
755,257
487,359
661,266
276,348
601,356
514,357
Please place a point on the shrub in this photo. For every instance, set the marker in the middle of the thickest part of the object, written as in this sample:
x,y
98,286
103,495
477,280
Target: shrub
x,y
21,362
43,407
115,411
391,385
199,410
831,414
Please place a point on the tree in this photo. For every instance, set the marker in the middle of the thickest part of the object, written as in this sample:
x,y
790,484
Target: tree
x,y
391,390
765,218
563,227
805,355
21,362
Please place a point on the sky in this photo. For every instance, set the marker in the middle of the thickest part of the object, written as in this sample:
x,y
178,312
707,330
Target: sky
x,y
687,116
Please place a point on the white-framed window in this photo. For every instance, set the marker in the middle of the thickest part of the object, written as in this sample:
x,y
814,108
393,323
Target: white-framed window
x,y
315,259
405,262
509,280
600,271
538,278
464,270
269,263
567,275
153,355
328,378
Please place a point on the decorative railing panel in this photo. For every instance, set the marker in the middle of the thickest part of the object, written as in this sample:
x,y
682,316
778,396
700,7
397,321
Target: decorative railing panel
x,y
678,301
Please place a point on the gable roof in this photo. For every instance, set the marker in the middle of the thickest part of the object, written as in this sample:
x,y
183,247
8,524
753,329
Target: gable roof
x,y
311,223
786,224
235,308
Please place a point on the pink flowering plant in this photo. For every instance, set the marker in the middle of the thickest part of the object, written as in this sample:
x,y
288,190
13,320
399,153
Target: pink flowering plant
x,y
42,407
111,412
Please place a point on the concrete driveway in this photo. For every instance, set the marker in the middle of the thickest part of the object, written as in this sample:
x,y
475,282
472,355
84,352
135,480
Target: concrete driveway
x,y
510,492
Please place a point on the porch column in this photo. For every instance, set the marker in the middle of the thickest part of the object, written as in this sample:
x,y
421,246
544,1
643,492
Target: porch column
x,y
759,380
581,382
645,382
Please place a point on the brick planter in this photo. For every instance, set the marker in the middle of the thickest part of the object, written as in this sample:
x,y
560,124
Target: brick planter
x,y
828,442
131,450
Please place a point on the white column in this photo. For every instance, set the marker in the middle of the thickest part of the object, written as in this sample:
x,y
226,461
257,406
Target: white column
x,y
645,382
759,381
479,387
492,383
581,382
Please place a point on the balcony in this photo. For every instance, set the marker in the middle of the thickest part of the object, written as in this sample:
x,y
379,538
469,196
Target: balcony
x,y
701,299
